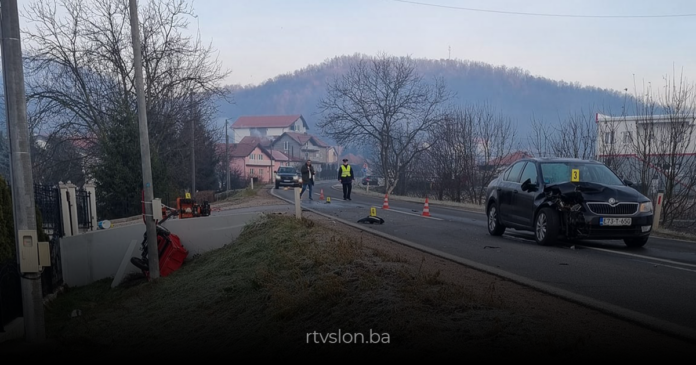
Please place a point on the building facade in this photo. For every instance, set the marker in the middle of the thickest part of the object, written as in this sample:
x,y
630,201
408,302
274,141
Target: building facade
x,y
267,126
656,152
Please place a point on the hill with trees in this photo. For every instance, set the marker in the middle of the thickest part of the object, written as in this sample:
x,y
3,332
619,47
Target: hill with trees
x,y
514,92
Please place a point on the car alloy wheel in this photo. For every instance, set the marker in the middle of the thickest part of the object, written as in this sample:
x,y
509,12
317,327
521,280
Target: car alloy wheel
x,y
546,227
541,227
495,228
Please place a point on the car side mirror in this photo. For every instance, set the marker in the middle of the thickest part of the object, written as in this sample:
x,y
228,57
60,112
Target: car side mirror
x,y
628,182
527,185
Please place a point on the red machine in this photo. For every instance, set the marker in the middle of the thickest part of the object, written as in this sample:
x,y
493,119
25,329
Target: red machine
x,y
187,208
170,250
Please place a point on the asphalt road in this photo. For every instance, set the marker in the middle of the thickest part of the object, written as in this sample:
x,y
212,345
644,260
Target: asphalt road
x,y
654,285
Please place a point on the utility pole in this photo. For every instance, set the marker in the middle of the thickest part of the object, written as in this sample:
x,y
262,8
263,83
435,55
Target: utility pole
x,y
150,227
227,156
193,149
20,173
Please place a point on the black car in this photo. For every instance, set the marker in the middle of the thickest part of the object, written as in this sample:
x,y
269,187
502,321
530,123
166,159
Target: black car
x,y
568,198
288,176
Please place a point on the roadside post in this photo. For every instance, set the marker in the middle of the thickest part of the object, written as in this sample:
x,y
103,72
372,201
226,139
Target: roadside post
x,y
658,210
298,208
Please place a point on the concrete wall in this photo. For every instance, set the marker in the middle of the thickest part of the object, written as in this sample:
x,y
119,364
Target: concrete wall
x,y
101,254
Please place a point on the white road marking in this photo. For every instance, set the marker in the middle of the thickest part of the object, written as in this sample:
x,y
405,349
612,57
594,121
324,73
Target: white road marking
x,y
641,256
413,214
675,267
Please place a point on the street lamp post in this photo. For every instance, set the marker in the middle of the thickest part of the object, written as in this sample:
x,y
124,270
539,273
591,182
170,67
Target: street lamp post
x,y
148,195
227,157
21,178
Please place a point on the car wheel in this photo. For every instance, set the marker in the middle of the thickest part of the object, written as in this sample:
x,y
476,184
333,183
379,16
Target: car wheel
x,y
495,228
636,242
546,227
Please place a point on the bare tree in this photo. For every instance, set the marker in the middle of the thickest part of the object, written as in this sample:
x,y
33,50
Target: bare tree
x,y
382,102
573,137
657,145
81,65
469,151
674,147
495,139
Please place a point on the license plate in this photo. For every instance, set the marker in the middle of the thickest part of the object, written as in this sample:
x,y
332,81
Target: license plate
x,y
614,221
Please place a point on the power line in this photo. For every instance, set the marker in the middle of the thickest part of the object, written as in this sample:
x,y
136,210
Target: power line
x,y
546,14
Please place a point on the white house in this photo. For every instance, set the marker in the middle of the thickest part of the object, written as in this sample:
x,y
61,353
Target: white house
x,y
649,149
645,134
267,126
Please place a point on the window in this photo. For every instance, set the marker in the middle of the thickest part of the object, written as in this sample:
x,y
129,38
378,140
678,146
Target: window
x,y
609,137
627,137
251,171
513,174
260,156
530,172
286,145
252,156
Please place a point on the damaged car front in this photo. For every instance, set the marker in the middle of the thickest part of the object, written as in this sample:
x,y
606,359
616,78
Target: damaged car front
x,y
576,199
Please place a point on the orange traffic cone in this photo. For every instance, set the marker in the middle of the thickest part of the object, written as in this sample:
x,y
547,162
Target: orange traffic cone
x,y
426,208
386,202
321,196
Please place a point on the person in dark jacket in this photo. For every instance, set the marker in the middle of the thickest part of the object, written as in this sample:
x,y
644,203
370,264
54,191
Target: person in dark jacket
x,y
346,177
307,171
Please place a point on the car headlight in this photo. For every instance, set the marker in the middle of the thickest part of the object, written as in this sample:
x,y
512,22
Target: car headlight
x,y
295,177
646,207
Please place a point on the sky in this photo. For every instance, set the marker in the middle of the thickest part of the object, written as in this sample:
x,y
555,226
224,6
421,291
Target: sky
x,y
614,44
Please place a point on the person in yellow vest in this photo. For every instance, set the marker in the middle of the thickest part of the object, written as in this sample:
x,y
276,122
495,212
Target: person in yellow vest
x,y
346,177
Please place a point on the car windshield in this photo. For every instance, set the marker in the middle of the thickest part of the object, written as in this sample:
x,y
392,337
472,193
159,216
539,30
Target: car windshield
x,y
286,170
559,172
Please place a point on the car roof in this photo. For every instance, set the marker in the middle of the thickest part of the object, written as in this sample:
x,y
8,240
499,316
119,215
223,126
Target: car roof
x,y
558,159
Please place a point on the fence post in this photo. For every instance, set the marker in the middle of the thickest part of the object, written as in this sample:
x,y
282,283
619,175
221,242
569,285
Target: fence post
x,y
298,208
90,188
64,209
73,207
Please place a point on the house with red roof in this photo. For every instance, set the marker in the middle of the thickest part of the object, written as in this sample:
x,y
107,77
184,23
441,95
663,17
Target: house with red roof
x,y
267,126
502,162
303,146
253,157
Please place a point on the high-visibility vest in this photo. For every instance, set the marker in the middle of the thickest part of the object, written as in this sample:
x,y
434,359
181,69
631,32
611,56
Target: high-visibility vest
x,y
345,170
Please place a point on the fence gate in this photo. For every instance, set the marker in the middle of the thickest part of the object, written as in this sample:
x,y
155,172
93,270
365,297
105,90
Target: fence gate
x,y
84,211
47,198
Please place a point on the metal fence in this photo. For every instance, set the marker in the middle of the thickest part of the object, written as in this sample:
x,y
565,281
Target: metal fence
x,y
47,199
48,202
52,276
84,211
